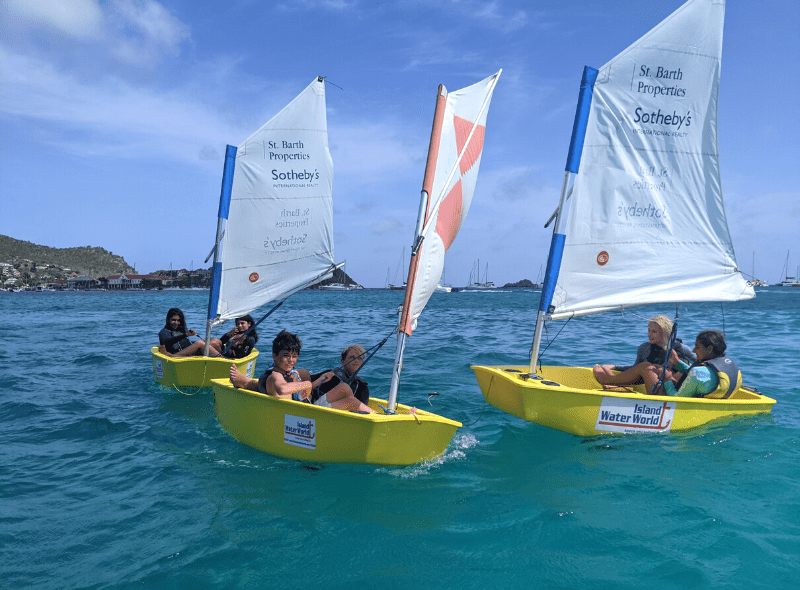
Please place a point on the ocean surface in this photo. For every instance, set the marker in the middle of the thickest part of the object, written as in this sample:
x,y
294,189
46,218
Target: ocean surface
x,y
109,480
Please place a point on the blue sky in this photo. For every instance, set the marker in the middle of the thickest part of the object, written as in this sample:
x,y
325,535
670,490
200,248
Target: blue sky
x,y
114,118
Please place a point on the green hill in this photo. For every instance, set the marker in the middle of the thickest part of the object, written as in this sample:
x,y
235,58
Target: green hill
x,y
38,261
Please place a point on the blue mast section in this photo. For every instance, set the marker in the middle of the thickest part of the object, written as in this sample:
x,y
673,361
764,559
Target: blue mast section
x,y
559,237
224,207
573,165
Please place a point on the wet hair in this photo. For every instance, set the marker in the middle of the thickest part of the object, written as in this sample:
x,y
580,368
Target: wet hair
x,y
356,347
286,341
249,318
175,311
715,340
664,323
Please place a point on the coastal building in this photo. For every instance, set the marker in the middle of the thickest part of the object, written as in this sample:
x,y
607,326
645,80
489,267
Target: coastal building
x,y
81,283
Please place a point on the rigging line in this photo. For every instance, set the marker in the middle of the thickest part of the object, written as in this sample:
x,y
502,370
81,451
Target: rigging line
x,y
550,342
377,347
722,309
253,327
329,82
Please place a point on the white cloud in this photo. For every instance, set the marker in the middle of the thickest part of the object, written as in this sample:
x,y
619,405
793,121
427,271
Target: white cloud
x,y
111,117
148,29
79,18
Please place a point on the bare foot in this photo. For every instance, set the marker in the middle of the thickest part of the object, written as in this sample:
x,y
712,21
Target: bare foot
x,y
163,350
239,379
601,374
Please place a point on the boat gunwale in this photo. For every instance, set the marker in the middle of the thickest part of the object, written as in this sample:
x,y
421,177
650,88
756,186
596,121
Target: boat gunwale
x,y
217,359
421,415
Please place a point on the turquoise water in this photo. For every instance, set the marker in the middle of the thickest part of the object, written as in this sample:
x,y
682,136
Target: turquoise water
x,y
110,481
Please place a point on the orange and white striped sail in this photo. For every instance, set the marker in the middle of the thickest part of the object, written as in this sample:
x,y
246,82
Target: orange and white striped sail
x,y
451,174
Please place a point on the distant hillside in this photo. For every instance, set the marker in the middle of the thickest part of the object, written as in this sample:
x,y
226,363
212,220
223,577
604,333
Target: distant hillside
x,y
91,261
523,284
339,276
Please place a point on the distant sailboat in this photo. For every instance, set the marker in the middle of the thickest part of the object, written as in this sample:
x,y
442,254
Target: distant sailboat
x,y
787,280
394,286
476,276
443,287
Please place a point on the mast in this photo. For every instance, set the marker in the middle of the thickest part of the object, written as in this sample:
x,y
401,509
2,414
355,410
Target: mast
x,y
222,216
557,242
463,115
427,185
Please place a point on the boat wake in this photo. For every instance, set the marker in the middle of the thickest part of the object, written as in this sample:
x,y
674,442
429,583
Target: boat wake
x,y
455,451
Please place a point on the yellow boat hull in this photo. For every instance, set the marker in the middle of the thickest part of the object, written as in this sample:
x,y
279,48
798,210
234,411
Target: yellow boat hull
x,y
297,430
197,371
570,399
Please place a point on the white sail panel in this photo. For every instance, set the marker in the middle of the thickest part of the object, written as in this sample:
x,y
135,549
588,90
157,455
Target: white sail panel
x,y
279,233
461,134
647,221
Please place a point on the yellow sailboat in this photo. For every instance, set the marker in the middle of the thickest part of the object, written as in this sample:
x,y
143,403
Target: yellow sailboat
x,y
569,399
265,250
307,432
197,371
646,224
397,435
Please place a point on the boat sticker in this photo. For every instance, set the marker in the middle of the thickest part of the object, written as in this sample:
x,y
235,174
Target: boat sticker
x,y
159,370
634,415
249,371
300,432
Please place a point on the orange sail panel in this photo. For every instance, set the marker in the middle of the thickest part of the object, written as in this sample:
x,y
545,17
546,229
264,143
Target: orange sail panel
x,y
450,178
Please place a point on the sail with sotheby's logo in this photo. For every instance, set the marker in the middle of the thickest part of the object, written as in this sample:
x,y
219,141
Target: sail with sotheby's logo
x,y
451,174
646,223
277,232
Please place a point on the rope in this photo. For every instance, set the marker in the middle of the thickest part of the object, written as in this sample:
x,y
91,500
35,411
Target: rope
x,y
484,407
549,342
329,82
183,392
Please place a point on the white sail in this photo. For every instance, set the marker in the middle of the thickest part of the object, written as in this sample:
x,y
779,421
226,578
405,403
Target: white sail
x,y
647,221
279,233
451,175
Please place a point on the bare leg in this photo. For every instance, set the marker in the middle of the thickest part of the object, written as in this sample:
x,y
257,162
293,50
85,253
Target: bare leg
x,y
341,397
651,376
190,350
605,375
602,373
645,371
626,377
